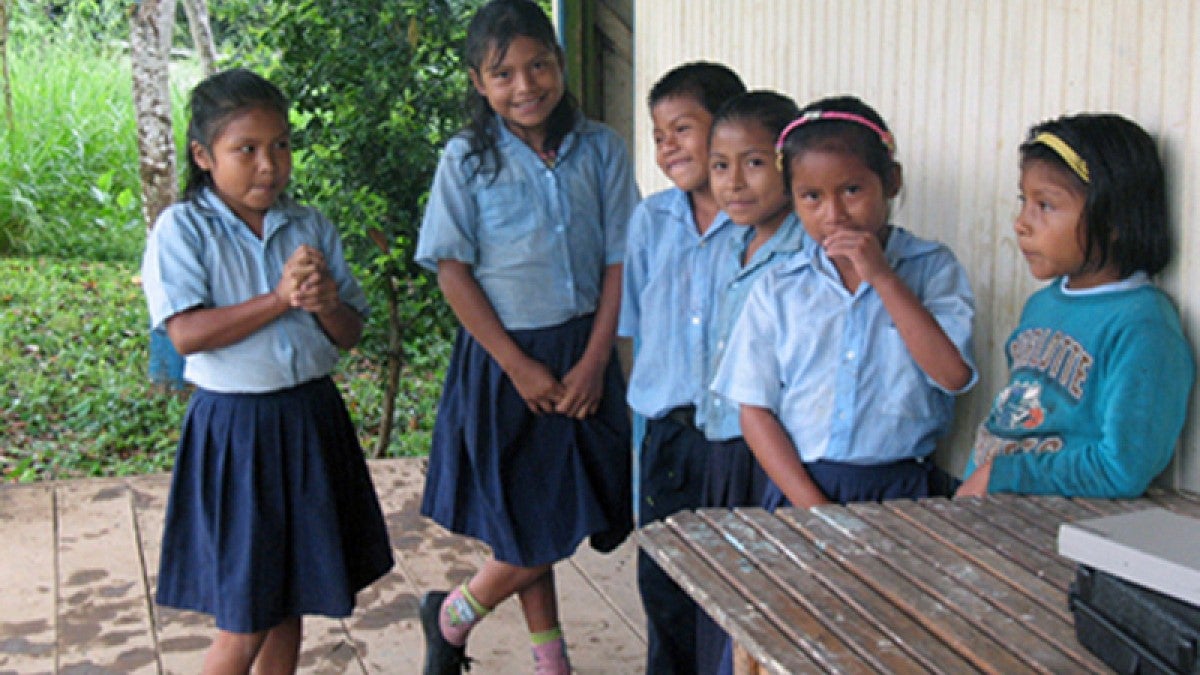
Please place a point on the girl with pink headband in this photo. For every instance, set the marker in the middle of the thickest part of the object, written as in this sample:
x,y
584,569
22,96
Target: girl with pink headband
x,y
849,354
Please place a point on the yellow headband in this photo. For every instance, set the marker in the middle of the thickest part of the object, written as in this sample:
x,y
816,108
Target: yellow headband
x,y
1065,151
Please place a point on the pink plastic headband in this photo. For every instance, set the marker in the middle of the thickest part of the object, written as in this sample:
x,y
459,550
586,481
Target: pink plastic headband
x,y
814,115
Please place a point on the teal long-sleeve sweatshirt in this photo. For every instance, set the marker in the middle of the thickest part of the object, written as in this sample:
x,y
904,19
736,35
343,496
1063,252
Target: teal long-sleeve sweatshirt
x,y
1097,394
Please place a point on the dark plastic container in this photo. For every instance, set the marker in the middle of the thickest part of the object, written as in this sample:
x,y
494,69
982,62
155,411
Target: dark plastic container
x,y
1133,629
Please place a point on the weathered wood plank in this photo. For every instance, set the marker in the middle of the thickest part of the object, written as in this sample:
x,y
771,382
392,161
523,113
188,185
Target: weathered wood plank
x,y
103,612
902,631
1107,507
27,579
599,636
996,512
745,560
106,559
1179,503
929,604
740,616
182,637
614,576
858,633
1049,566
919,556
1020,578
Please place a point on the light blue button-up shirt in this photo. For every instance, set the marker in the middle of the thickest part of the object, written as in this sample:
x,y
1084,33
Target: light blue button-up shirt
x,y
719,414
668,300
200,254
833,367
538,237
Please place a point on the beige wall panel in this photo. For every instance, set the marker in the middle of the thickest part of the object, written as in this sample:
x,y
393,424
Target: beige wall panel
x,y
960,82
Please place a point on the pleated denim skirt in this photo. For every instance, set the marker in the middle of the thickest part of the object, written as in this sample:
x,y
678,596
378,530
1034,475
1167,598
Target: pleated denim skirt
x,y
532,487
272,513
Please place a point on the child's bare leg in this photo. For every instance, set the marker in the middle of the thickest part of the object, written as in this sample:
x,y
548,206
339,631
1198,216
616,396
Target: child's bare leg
x,y
232,653
280,652
540,603
496,580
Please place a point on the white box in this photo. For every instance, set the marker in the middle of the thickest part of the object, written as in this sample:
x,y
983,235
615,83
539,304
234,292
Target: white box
x,y
1155,548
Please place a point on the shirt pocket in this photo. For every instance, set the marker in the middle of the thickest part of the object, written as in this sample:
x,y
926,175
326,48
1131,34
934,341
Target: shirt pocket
x,y
506,213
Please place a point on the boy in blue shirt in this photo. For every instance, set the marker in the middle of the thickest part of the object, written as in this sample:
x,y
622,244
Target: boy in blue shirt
x,y
668,298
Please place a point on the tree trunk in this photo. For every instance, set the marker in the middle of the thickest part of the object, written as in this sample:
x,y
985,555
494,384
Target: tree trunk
x,y
202,37
8,100
151,24
395,362
150,45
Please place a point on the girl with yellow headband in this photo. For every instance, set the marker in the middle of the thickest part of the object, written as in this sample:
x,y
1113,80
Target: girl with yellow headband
x,y
1100,370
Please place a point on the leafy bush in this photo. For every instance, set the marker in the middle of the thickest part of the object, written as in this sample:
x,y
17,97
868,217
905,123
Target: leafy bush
x,y
74,397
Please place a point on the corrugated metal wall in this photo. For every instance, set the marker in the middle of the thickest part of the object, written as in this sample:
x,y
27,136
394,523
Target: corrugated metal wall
x,y
960,82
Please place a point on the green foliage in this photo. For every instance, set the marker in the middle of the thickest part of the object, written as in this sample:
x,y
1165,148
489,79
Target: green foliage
x,y
74,397
377,89
69,184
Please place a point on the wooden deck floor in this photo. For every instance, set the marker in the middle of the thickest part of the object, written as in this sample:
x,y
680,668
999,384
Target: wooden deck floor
x,y
80,557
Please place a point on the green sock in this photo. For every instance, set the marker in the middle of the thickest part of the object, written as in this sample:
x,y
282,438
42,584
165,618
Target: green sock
x,y
480,610
542,637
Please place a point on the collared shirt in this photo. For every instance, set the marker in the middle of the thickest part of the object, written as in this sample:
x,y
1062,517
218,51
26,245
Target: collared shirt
x,y
717,414
200,254
538,237
831,364
669,299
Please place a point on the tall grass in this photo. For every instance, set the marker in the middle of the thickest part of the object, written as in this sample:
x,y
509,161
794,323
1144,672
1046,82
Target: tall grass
x,y
69,184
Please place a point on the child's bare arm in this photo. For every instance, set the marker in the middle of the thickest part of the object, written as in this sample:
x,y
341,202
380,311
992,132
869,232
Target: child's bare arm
x,y
928,344
533,380
977,483
773,448
205,328
584,383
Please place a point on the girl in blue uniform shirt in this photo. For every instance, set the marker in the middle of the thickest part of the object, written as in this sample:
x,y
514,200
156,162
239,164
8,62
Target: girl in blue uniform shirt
x,y
1100,368
749,188
848,354
271,513
525,227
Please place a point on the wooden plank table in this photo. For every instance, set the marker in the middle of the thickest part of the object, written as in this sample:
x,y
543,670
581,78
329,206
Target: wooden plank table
x,y
934,585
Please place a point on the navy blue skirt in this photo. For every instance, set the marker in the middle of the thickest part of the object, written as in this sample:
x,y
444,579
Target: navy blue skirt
x,y
532,487
845,483
272,513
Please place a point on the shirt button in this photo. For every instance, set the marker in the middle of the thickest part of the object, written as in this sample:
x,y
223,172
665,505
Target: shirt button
x,y
721,344
695,321
850,355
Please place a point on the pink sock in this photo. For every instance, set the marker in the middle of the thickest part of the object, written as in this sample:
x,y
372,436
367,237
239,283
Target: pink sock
x,y
551,658
457,617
